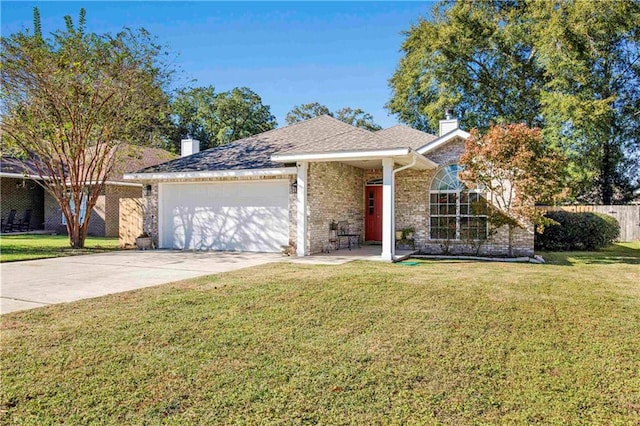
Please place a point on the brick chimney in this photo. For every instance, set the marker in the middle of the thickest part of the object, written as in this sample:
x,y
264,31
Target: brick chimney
x,y
450,122
189,146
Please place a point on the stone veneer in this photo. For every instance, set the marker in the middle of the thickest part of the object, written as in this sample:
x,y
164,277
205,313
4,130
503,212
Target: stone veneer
x,y
335,193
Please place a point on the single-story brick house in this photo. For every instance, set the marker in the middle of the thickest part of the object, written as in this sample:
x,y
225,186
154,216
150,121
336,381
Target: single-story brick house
x,y
288,185
20,191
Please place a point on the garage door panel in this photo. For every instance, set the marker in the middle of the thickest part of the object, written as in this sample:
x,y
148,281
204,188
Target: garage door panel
x,y
226,216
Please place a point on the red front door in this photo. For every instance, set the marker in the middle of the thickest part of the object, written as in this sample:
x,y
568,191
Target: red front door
x,y
373,213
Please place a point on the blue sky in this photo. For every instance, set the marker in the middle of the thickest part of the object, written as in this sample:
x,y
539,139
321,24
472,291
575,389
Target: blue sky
x,y
336,53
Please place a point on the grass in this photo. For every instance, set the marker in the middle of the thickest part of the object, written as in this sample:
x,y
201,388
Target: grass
x,y
28,247
442,342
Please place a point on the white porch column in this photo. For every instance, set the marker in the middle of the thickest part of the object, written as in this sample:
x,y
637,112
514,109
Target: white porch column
x,y
388,244
301,212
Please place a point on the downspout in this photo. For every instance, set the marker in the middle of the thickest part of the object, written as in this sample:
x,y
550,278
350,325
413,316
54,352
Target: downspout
x,y
394,171
408,166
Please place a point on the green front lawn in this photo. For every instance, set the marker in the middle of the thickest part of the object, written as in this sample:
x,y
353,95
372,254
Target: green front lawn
x,y
28,247
450,342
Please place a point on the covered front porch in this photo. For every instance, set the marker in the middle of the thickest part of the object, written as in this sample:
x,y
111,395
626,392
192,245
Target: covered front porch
x,y
331,188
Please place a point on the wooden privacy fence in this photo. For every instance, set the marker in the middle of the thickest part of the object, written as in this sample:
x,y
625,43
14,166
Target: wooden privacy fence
x,y
131,215
628,217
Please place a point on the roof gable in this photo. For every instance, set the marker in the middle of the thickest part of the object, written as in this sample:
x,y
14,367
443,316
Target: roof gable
x,y
442,140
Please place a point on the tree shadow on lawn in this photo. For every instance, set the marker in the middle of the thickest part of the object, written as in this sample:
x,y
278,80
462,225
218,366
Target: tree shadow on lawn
x,y
616,254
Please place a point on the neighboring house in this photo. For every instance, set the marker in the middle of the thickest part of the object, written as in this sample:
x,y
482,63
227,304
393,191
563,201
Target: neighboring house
x,y
286,186
20,191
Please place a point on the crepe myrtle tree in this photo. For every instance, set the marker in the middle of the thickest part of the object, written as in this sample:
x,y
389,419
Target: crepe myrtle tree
x,y
517,169
69,100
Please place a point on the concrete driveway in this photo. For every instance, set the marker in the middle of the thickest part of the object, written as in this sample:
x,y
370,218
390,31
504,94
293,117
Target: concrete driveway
x,y
36,283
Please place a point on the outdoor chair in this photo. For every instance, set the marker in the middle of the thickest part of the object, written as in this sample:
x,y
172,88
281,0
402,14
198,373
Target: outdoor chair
x,y
25,223
10,224
344,231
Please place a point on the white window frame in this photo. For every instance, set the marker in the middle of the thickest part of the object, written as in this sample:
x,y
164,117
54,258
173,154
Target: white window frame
x,y
458,216
83,208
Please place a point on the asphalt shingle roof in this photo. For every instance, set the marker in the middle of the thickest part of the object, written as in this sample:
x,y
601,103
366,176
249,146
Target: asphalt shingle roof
x,y
255,151
132,158
407,136
318,135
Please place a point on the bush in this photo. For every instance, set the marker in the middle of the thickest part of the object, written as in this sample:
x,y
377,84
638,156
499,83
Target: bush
x,y
578,231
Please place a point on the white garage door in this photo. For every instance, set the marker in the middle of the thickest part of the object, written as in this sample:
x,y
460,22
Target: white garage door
x,y
237,216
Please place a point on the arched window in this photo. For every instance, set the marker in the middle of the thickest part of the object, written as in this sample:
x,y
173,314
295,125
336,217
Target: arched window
x,y
455,212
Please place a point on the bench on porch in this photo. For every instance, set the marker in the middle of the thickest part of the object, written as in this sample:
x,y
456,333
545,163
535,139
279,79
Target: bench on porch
x,y
343,232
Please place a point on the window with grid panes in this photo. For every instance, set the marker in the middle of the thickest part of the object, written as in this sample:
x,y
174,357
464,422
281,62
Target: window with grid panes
x,y
455,213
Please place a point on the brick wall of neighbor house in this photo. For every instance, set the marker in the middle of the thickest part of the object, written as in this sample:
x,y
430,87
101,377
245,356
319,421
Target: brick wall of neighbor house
x,y
20,195
53,217
335,192
150,222
111,217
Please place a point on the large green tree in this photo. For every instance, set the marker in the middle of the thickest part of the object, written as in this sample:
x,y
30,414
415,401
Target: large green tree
x,y
356,117
569,67
590,52
193,113
305,112
241,113
217,118
69,101
476,56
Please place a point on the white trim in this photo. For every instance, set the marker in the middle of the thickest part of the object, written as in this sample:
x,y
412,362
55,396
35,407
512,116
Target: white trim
x,y
36,177
301,210
118,183
457,133
19,176
422,159
212,174
160,216
346,155
388,244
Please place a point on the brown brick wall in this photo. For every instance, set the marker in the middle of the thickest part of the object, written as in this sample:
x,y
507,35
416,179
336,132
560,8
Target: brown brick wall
x,y
335,192
53,217
448,153
412,210
111,215
20,195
